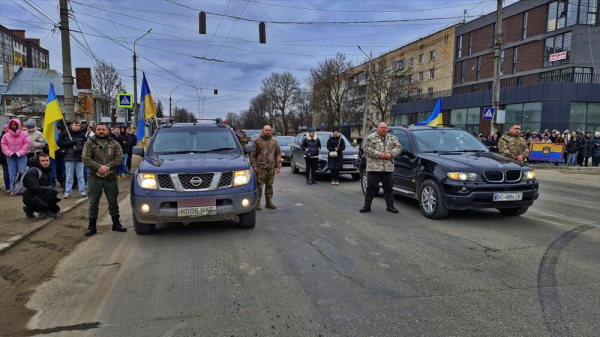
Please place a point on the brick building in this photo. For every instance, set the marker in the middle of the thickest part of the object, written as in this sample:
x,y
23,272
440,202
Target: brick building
x,y
17,49
549,55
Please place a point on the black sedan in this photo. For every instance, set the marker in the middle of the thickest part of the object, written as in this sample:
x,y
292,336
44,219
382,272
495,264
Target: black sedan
x,y
284,145
297,162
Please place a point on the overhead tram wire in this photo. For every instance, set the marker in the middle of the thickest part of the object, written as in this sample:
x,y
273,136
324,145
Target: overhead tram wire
x,y
357,11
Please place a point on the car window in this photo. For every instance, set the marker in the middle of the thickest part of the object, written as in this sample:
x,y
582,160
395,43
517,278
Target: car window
x,y
447,141
184,140
285,141
324,137
402,138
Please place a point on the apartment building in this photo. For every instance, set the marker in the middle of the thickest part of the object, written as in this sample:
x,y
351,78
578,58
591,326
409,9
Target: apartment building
x,y
17,49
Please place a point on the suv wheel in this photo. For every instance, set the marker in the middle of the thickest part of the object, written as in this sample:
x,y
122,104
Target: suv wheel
x,y
293,165
248,220
363,182
431,200
516,211
142,228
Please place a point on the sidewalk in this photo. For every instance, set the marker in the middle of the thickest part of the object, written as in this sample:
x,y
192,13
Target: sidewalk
x,y
551,166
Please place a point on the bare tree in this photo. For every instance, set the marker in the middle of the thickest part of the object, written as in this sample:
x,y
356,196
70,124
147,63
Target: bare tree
x,y
281,90
106,84
330,84
387,83
233,120
304,109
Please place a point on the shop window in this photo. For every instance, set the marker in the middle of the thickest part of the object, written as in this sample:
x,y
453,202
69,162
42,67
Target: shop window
x,y
584,116
468,119
529,115
401,119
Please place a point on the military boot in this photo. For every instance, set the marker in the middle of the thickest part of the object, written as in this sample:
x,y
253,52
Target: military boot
x,y
270,204
390,208
91,228
258,206
366,208
116,226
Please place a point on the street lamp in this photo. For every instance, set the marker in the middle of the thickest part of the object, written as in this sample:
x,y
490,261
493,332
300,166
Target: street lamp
x,y
170,100
364,123
135,100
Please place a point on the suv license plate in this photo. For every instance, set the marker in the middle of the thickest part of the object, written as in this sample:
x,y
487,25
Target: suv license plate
x,y
348,166
508,196
196,207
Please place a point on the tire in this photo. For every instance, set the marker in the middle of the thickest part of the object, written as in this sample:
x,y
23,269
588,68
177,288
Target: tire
x,y
516,211
142,228
248,220
293,166
431,200
355,176
363,182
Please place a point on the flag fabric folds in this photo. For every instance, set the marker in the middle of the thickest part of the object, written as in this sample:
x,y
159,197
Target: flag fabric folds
x,y
147,108
51,115
435,119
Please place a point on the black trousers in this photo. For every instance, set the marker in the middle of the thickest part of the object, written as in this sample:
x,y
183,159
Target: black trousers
x,y
335,175
373,180
311,167
129,161
44,201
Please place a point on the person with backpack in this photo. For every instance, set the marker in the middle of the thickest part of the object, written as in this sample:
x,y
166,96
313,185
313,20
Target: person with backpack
x,y
73,144
39,196
15,146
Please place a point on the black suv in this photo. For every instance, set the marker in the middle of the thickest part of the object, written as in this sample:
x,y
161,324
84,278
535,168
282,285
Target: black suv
x,y
447,168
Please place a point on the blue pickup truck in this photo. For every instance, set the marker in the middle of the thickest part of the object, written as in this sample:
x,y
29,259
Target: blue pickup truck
x,y
193,172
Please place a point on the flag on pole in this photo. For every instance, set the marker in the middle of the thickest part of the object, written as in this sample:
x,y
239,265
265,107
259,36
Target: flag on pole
x,y
147,108
51,115
435,119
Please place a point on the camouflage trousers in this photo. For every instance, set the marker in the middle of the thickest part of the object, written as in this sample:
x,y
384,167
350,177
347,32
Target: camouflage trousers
x,y
265,177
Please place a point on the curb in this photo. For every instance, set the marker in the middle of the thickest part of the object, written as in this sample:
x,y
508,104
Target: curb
x,y
41,224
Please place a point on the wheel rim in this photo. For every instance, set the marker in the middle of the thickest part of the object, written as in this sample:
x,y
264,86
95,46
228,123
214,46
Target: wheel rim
x,y
292,165
364,182
428,199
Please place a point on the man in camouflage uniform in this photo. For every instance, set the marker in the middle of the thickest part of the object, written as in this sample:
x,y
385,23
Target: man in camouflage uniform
x,y
244,139
381,149
265,160
512,145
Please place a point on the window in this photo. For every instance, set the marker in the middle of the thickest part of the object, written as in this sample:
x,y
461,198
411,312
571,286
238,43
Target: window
x,y
422,116
432,55
467,119
584,116
419,92
566,13
524,31
400,120
402,135
421,59
430,90
502,63
514,64
478,76
399,65
529,115
410,79
583,75
556,45
462,71
470,47
431,74
412,62
420,76
459,47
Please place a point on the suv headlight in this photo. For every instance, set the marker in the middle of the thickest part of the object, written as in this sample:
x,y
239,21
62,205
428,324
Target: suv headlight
x,y
464,176
241,177
147,181
323,157
528,175
351,156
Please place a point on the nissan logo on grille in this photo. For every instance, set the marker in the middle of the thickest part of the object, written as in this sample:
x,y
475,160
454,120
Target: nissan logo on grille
x,y
196,181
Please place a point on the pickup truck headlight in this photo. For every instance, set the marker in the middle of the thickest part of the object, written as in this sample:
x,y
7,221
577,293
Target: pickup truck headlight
x,y
147,181
464,176
528,175
323,157
241,177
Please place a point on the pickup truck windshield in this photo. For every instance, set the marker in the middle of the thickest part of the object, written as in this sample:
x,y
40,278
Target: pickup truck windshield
x,y
182,141
437,141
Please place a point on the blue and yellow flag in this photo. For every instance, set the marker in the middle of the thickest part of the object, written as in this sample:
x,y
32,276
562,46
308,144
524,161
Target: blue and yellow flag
x,y
147,108
546,152
435,119
51,115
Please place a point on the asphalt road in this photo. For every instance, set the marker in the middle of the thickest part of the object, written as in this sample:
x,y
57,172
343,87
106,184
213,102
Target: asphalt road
x,y
316,266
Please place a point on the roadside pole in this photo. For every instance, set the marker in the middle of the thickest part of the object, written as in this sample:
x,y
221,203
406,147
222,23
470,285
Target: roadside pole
x,y
66,61
497,54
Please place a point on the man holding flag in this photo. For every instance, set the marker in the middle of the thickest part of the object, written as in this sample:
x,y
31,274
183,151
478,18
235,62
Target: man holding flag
x,y
148,110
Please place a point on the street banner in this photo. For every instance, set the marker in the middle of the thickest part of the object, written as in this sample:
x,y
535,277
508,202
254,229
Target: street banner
x,y
546,152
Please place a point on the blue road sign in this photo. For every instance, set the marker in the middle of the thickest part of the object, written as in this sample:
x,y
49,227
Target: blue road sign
x,y
488,114
125,100
322,125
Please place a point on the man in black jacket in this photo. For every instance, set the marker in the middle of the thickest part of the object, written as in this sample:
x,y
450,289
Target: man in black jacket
x,y
73,145
40,196
311,146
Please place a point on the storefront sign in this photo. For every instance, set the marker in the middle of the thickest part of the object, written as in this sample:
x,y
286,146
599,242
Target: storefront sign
x,y
558,56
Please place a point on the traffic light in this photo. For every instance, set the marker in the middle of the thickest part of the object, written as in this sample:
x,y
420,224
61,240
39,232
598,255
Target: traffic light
x,y
262,32
114,113
202,23
130,115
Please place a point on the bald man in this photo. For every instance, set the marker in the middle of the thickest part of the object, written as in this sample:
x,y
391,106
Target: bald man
x,y
265,161
381,149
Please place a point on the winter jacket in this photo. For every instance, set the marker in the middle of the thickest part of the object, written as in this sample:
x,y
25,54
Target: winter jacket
x,y
35,185
512,146
36,139
2,155
127,148
95,155
572,146
73,145
121,140
15,141
131,143
311,146
587,146
493,145
375,146
266,154
596,151
336,163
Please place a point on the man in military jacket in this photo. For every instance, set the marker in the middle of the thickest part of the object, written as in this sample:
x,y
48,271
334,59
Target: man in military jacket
x,y
512,145
381,149
265,160
244,139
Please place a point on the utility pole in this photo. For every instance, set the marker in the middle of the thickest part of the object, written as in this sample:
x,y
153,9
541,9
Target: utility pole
x,y
135,99
366,112
497,54
170,114
65,38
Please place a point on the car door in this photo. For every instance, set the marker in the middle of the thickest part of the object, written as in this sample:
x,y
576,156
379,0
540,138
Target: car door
x,y
404,167
297,151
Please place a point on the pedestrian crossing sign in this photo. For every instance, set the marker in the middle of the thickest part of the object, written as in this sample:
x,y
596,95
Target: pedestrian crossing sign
x,y
488,114
125,100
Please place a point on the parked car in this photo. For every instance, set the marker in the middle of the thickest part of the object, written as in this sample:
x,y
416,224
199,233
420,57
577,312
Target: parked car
x,y
284,145
448,168
297,162
192,173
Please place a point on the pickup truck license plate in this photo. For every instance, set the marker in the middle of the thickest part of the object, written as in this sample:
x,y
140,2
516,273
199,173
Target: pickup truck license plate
x,y
196,207
508,196
348,166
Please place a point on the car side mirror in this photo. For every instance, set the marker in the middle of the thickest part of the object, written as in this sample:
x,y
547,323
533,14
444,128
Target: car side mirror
x,y
248,148
138,150
408,153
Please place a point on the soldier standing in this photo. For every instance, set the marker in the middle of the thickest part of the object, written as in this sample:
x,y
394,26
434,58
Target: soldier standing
x,y
244,139
265,160
512,145
103,155
381,149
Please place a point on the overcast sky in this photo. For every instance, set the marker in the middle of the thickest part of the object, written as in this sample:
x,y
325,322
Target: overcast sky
x,y
166,54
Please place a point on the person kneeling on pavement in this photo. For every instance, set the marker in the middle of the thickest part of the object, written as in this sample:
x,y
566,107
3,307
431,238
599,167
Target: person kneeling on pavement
x,y
40,196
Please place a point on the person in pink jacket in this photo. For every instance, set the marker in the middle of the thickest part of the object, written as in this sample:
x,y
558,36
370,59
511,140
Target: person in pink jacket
x,y
15,145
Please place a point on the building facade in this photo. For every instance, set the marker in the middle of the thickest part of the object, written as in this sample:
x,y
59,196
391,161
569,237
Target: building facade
x,y
19,50
547,69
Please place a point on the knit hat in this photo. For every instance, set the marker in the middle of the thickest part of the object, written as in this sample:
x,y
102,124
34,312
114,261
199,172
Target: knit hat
x,y
336,128
311,129
30,123
597,134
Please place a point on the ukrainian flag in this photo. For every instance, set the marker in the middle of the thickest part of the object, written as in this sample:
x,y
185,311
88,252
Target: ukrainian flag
x,y
546,152
147,108
51,115
435,119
